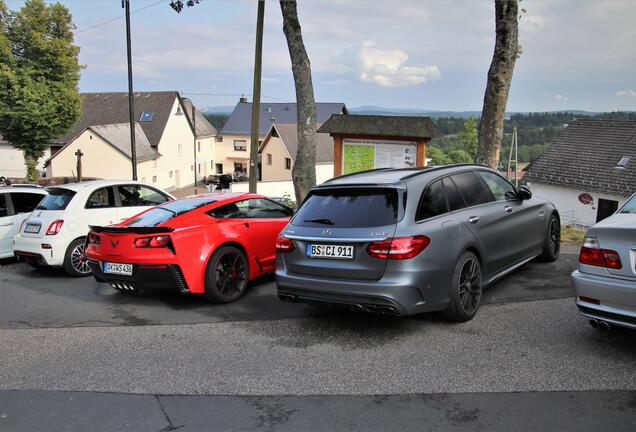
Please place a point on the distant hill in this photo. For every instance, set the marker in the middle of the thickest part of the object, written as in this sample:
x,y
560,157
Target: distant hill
x,y
217,110
376,110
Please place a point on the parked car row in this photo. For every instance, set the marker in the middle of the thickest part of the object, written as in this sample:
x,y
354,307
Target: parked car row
x,y
389,241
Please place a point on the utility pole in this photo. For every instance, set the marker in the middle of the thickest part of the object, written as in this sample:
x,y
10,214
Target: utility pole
x,y
256,96
131,104
194,134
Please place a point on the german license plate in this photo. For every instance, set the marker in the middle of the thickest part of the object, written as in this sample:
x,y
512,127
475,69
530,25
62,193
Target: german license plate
x,y
330,251
32,228
117,268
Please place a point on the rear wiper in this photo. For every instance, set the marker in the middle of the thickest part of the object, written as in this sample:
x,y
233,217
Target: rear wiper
x,y
324,221
41,208
168,210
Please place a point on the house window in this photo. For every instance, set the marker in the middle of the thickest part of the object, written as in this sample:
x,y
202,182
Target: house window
x,y
199,146
211,164
170,174
287,163
154,179
199,168
240,145
180,149
269,158
239,169
219,168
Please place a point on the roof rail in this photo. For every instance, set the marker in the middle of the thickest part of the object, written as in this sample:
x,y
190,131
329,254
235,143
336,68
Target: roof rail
x,y
437,168
359,172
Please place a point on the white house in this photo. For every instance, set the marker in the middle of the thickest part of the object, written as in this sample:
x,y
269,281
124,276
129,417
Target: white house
x,y
164,140
12,160
588,171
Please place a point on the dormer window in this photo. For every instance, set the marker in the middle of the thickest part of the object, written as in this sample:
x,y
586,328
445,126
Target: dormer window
x,y
623,162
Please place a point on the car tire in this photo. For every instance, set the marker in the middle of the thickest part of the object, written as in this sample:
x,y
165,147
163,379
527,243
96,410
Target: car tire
x,y
74,262
226,275
552,241
466,289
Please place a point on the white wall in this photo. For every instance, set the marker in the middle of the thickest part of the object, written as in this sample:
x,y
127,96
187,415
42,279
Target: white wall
x,y
12,161
324,172
567,202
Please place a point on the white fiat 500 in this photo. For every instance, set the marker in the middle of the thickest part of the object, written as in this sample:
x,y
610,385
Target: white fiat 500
x,y
16,202
54,234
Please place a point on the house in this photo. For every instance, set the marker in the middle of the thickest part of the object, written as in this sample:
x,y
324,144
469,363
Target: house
x,y
588,171
232,153
164,140
13,160
278,153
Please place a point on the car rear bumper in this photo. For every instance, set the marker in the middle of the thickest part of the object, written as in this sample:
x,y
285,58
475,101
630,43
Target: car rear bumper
x,y
46,251
393,294
145,278
617,298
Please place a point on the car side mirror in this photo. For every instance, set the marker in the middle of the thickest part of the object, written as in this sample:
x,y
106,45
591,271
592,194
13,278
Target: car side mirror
x,y
524,193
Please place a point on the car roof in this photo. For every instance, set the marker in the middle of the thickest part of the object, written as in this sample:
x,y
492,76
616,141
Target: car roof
x,y
92,184
222,196
23,187
396,176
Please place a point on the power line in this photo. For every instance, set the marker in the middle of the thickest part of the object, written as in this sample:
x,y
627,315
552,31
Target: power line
x,y
119,17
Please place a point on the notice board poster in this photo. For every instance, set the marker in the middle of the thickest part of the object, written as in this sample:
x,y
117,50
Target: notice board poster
x,y
361,155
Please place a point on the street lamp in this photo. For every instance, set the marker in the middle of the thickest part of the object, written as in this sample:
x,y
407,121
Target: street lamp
x,y
194,134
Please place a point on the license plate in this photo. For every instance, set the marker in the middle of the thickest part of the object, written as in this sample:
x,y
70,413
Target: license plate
x,y
117,268
32,228
330,251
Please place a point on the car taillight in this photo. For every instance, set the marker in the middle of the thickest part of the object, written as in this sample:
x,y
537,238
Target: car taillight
x,y
94,238
399,247
55,227
591,254
283,244
153,242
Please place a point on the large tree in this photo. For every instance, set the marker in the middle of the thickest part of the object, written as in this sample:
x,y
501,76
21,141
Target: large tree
x,y
304,170
499,80
39,77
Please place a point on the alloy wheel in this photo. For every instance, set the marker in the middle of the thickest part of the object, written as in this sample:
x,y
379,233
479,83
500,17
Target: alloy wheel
x,y
79,261
470,286
555,236
230,274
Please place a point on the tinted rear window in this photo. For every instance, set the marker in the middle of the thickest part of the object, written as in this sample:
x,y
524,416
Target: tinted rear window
x,y
57,199
472,189
349,208
165,212
24,202
433,202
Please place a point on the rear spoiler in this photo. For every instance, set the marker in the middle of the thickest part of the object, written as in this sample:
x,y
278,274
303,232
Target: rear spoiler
x,y
130,229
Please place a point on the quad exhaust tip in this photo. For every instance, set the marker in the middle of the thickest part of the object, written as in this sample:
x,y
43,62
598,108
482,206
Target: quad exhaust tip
x,y
600,325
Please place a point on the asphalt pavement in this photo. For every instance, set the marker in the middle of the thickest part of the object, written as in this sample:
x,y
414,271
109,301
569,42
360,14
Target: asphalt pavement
x,y
77,355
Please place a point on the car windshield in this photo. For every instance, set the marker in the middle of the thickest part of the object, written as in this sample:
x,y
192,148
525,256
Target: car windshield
x,y
57,199
349,208
629,206
165,212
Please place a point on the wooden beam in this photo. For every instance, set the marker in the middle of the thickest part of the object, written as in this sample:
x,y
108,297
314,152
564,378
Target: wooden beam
x,y
337,156
420,160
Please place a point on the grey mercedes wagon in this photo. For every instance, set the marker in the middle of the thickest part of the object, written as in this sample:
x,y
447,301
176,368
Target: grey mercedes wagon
x,y
412,240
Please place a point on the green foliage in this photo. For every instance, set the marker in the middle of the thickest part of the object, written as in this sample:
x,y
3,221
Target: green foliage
x,y
438,157
287,200
468,136
217,120
39,76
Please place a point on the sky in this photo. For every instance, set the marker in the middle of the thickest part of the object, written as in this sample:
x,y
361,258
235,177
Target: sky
x,y
423,54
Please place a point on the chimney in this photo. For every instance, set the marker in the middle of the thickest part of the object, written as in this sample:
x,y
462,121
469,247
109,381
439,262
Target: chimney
x,y
242,99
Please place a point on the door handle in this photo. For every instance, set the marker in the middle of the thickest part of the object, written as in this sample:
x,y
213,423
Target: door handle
x,y
247,225
508,209
473,219
7,224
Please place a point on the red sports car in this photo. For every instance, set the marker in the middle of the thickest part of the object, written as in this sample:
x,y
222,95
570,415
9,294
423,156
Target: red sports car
x,y
207,244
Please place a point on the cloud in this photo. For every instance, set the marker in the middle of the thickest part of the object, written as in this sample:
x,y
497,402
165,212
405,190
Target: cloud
x,y
561,98
628,92
270,79
335,82
386,67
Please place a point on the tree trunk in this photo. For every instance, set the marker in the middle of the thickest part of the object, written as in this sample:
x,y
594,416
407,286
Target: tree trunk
x,y
304,169
499,79
31,164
